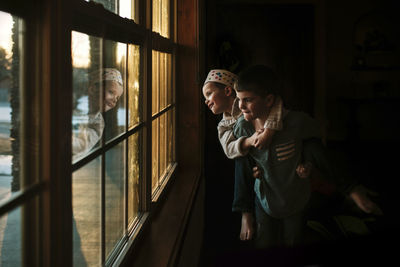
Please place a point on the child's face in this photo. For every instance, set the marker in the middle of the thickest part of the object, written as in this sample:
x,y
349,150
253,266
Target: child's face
x,y
113,92
216,98
254,106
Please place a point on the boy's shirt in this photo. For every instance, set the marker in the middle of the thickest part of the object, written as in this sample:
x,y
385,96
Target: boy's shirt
x,y
281,192
232,145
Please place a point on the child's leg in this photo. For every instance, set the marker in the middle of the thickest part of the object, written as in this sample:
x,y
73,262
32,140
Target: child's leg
x,y
315,152
243,199
268,229
293,230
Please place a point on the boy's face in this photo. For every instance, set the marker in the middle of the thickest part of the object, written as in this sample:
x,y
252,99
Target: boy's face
x,y
254,106
113,92
216,98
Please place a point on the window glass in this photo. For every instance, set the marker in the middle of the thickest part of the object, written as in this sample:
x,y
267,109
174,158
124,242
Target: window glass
x,y
11,63
134,114
87,117
10,238
114,98
155,106
161,17
124,8
133,176
114,196
86,205
155,155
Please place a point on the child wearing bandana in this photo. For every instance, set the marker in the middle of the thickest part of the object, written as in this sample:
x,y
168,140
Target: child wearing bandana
x,y
90,133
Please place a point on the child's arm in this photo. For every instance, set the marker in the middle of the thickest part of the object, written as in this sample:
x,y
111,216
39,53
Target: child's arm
x,y
272,124
232,146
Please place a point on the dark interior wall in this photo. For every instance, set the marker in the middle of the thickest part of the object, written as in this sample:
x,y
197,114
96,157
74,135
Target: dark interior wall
x,y
361,97
280,36
363,132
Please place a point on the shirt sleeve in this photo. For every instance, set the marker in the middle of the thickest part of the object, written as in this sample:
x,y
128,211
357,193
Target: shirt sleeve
x,y
274,120
87,136
230,144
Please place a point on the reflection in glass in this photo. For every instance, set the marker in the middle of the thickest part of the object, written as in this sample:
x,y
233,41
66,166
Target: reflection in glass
x,y
155,155
10,239
97,89
114,198
133,177
86,206
115,118
133,84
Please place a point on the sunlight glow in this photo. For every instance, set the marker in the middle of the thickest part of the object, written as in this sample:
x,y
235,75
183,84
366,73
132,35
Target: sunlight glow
x,y
6,23
80,50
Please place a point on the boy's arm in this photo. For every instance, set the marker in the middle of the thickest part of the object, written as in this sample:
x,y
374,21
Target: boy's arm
x,y
272,124
232,146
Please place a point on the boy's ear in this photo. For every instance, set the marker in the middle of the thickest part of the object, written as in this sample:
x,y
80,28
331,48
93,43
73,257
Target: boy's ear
x,y
270,100
228,91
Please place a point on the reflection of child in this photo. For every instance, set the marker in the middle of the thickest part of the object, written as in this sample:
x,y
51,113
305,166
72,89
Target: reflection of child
x,y
89,134
220,97
281,196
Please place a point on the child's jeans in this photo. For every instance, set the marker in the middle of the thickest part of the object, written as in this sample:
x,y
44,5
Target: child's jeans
x,y
243,198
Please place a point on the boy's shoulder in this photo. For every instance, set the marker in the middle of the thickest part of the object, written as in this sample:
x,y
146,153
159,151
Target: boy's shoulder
x,y
242,127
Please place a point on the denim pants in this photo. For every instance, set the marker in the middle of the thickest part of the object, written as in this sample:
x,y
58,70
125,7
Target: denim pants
x,y
270,232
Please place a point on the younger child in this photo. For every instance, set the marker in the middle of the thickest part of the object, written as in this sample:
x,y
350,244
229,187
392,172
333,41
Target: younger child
x,y
89,134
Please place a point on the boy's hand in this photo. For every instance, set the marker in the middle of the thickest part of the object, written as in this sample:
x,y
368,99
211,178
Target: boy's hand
x,y
304,170
257,173
263,138
360,196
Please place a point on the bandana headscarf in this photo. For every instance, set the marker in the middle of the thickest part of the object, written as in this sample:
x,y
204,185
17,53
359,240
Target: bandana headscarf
x,y
106,74
221,76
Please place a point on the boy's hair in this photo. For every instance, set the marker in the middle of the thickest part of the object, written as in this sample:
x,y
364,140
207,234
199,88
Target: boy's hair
x,y
258,79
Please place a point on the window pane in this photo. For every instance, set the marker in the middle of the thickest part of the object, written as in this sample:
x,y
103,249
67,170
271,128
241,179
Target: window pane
x,y
133,85
87,118
155,82
11,63
155,155
163,145
163,80
170,137
86,204
114,99
169,79
124,8
114,198
133,177
161,17
10,238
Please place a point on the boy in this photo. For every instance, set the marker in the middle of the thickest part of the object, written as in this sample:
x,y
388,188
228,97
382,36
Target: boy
x,y
281,196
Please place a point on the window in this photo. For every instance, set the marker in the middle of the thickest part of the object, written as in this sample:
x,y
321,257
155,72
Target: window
x,y
113,94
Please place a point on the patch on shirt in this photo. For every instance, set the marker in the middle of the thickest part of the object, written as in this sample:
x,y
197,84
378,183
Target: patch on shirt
x,y
285,151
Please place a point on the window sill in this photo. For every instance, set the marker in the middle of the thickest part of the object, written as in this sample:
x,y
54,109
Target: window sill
x,y
160,239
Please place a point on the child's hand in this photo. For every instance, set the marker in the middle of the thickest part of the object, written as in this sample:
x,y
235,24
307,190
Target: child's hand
x,y
263,138
257,173
247,229
360,196
304,170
